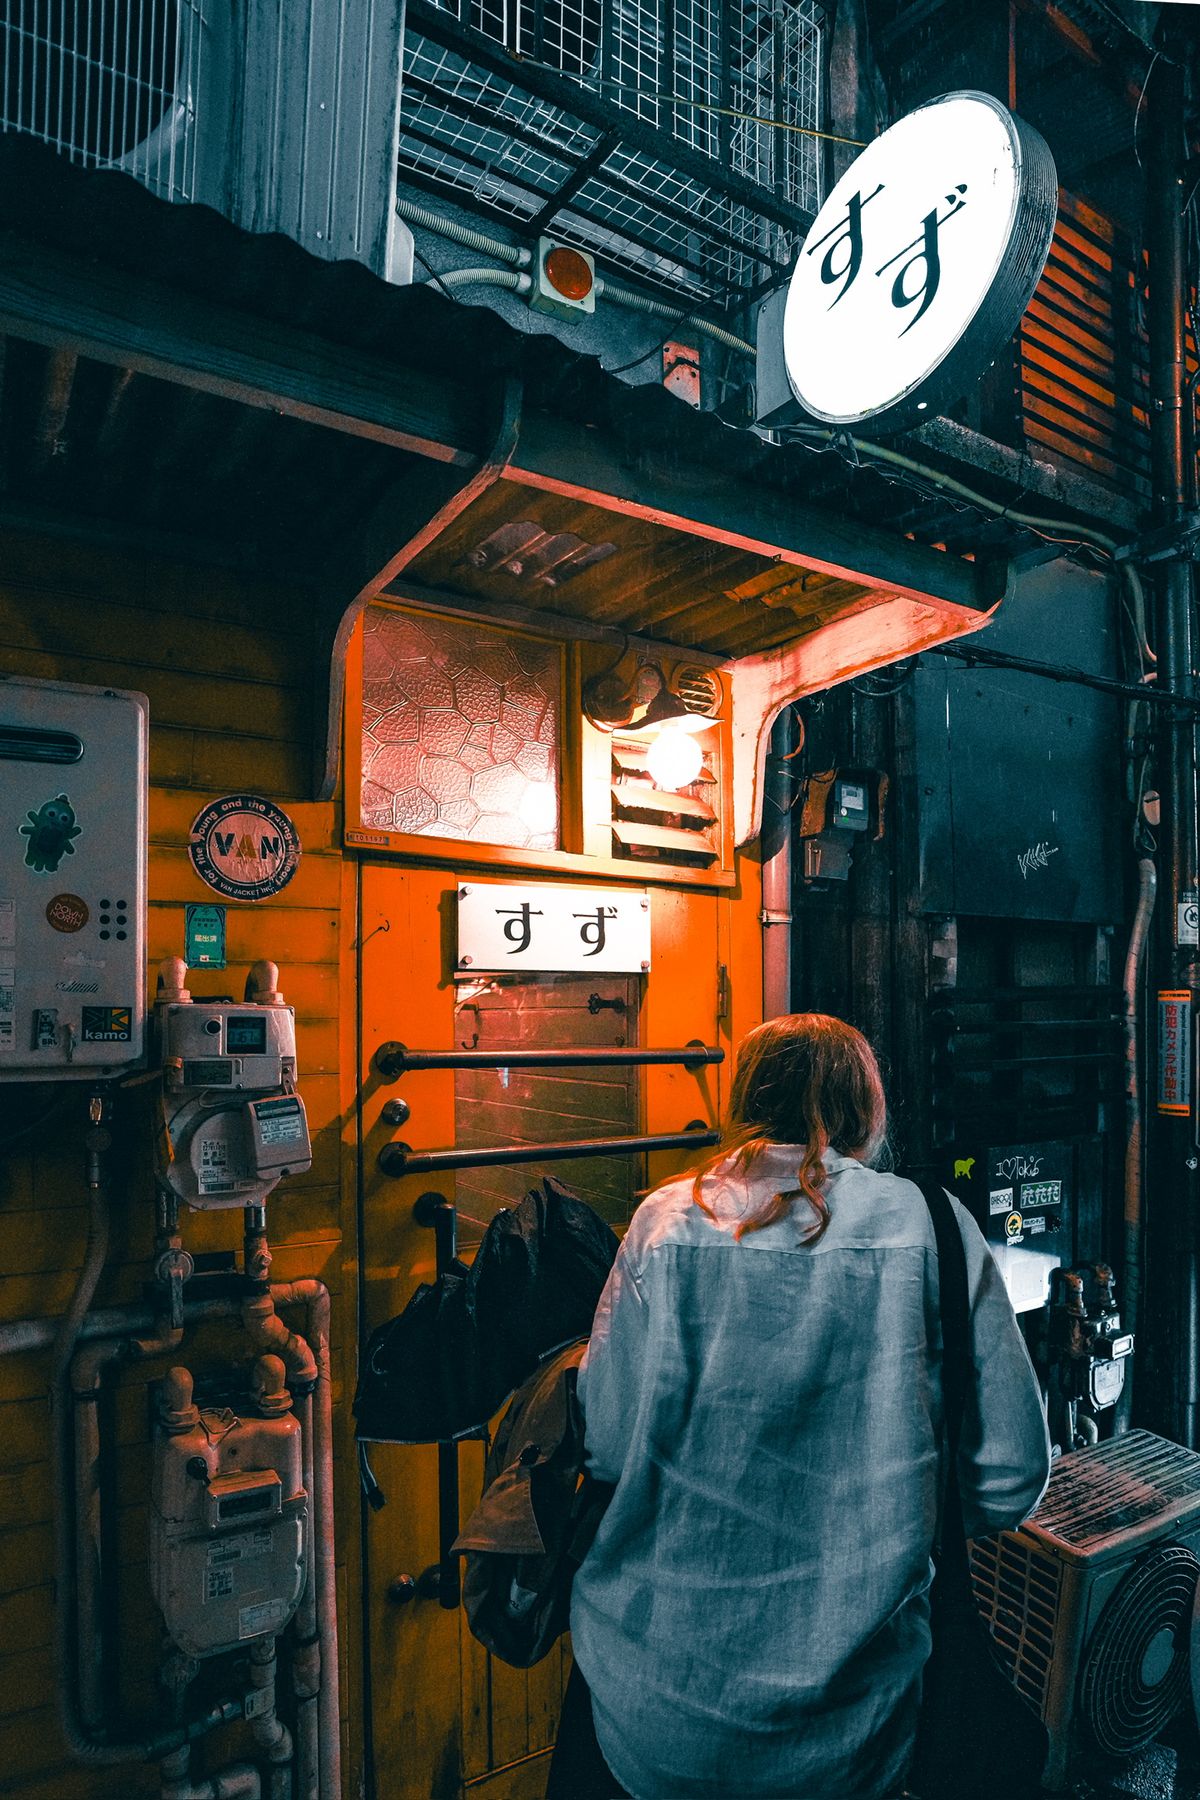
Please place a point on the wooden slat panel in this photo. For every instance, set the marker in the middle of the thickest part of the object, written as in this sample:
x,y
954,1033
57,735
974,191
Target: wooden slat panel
x,y
1082,359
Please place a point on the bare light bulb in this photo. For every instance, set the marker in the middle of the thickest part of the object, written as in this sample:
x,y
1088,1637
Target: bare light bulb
x,y
674,759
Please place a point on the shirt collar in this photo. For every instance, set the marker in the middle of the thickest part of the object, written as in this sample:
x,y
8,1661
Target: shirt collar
x,y
782,1159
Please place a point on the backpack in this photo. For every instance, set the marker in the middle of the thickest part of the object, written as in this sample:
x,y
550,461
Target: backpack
x,y
536,1519
463,1343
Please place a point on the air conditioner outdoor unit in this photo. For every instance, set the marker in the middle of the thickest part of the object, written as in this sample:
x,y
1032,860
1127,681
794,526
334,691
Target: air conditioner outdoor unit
x,y
1090,1603
283,115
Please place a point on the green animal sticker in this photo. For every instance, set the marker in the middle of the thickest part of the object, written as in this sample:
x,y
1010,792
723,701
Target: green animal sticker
x,y
50,831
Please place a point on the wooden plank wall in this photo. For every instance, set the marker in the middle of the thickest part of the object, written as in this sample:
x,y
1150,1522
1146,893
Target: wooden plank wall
x,y
227,669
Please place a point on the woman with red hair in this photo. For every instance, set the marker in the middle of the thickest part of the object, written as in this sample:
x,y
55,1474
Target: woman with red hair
x,y
763,1388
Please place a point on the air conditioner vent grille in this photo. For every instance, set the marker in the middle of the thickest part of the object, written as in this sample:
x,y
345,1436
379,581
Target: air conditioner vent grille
x,y
1017,1591
1137,1664
1099,1493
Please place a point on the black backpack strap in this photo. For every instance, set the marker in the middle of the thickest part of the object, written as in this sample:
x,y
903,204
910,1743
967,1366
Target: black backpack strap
x,y
955,1310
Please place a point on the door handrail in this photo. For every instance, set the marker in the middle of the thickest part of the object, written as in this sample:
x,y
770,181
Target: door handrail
x,y
394,1059
400,1159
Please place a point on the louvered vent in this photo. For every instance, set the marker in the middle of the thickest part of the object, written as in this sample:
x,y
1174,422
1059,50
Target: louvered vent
x,y
654,824
1083,354
699,690
1017,1590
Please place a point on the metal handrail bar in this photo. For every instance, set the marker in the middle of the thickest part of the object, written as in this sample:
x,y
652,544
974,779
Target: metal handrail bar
x,y
399,1159
394,1059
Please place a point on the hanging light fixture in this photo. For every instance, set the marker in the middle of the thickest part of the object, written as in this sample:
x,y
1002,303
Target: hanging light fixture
x,y
674,758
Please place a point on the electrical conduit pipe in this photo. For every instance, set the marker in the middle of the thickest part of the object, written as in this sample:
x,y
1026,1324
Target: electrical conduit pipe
x,y
1147,887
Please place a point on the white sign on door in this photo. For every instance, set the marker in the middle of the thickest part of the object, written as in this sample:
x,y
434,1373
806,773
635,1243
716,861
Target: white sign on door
x,y
551,929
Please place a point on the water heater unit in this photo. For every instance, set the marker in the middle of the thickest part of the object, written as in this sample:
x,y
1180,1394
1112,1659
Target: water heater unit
x,y
73,786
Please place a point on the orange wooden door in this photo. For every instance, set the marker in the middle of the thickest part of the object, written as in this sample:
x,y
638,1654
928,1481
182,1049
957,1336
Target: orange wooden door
x,y
448,1720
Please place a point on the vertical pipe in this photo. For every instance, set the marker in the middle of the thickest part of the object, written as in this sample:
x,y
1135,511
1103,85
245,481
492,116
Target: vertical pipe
x,y
1131,1304
1177,966
776,915
445,1231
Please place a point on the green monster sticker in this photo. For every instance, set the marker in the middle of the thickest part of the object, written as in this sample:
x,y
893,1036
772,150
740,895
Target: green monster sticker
x,y
50,831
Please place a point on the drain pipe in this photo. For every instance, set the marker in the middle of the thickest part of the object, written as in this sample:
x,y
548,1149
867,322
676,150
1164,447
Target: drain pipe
x,y
1132,1298
313,1295
1177,965
776,914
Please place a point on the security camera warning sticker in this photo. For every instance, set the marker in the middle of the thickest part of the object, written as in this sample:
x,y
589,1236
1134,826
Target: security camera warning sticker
x,y
244,846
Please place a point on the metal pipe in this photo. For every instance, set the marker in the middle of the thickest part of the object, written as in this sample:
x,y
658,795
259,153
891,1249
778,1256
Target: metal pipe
x,y
776,915
314,1295
240,1781
393,1060
36,1334
306,1648
1171,448
20,1336
261,1323
399,1159
270,1734
1132,1272
88,1369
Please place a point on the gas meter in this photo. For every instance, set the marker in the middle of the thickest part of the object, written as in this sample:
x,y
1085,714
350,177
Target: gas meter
x,y
228,1514
235,1124
73,787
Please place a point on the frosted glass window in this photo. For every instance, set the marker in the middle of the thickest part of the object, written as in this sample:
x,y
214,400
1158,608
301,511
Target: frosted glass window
x,y
460,731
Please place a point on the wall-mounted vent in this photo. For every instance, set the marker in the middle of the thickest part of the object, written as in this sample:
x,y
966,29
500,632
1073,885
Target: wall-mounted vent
x,y
653,823
699,690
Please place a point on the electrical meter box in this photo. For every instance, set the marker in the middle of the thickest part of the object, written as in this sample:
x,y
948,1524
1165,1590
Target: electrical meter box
x,y
1019,1196
73,785
228,1523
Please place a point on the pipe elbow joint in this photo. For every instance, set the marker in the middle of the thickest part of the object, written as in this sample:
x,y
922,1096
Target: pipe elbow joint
x,y
268,1333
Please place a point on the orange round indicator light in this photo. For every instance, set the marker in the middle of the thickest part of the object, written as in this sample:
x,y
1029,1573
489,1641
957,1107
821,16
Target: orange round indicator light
x,y
568,273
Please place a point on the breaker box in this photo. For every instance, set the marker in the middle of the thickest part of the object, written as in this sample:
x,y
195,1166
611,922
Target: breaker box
x,y
73,803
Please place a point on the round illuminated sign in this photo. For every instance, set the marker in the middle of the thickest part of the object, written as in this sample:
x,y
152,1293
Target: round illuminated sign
x,y
244,846
919,265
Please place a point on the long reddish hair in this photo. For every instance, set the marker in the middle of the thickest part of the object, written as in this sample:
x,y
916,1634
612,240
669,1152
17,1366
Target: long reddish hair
x,y
805,1079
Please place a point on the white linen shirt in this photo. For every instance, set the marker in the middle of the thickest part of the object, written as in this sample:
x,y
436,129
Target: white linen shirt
x,y
753,1616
